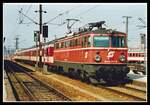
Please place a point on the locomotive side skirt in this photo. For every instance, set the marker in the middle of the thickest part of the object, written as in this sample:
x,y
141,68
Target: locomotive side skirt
x,y
105,71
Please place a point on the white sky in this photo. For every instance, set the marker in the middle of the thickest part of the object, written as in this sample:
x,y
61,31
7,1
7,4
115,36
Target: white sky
x,y
86,12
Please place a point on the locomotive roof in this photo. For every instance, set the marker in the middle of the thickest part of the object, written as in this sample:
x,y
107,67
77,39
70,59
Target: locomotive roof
x,y
97,31
103,31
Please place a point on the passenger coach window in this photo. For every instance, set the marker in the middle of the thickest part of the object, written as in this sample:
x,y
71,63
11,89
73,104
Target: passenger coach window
x,y
62,44
57,45
86,41
67,43
101,41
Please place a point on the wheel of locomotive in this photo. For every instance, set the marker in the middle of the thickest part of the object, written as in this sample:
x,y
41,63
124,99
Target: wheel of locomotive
x,y
70,73
54,69
100,75
78,74
49,67
86,77
83,76
109,78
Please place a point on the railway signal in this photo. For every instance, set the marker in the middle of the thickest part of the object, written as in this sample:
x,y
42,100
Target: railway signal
x,y
36,33
45,35
45,31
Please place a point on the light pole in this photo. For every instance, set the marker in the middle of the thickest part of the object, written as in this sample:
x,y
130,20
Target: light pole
x,y
127,20
143,42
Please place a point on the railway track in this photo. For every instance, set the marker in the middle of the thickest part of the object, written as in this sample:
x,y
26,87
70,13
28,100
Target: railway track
x,y
128,90
35,90
134,87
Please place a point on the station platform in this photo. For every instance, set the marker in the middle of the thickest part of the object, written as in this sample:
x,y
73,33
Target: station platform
x,y
8,95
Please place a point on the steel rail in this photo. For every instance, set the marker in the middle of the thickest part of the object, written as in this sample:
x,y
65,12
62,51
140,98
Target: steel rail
x,y
134,88
50,87
59,93
27,91
117,90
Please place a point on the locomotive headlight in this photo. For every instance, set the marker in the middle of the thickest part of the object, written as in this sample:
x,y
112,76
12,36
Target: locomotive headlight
x,y
97,58
122,58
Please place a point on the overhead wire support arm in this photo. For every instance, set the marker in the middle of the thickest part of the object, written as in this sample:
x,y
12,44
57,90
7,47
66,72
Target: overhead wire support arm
x,y
142,20
141,26
28,18
28,9
75,20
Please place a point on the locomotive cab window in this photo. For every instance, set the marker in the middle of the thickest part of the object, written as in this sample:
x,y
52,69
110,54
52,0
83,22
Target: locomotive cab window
x,y
118,41
101,41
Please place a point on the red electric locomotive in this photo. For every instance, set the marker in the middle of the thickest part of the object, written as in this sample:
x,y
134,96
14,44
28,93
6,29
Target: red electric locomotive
x,y
99,54
94,54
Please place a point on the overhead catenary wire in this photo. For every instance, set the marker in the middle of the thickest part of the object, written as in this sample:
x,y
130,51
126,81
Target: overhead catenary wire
x,y
25,15
82,13
53,19
28,9
28,17
60,14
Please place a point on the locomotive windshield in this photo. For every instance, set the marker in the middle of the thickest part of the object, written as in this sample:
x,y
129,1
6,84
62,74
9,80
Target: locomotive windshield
x,y
118,41
101,41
